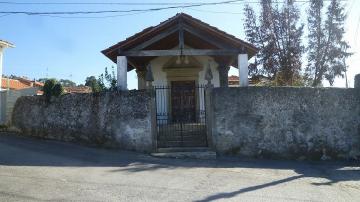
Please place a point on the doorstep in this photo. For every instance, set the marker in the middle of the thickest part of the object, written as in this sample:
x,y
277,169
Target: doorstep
x,y
185,153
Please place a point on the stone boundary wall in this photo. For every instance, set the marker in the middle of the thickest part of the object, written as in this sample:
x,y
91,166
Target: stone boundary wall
x,y
111,119
287,122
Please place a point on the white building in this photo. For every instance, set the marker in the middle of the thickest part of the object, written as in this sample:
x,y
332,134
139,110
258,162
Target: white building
x,y
3,46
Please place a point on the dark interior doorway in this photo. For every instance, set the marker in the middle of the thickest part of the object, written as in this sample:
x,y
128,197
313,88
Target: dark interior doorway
x,y
183,102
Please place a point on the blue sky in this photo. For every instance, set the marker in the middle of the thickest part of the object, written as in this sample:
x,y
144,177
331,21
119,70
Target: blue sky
x,y
70,48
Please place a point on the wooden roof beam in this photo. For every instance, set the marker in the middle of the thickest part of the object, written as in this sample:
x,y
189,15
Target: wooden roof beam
x,y
178,52
156,38
181,38
205,36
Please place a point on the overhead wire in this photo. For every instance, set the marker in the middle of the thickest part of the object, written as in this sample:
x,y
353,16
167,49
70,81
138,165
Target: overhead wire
x,y
173,5
117,11
126,3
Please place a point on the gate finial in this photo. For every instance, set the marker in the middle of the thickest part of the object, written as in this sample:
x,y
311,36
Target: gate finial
x,y
149,76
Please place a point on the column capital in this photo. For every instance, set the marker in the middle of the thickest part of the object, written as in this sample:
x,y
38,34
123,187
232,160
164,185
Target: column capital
x,y
223,69
140,73
141,79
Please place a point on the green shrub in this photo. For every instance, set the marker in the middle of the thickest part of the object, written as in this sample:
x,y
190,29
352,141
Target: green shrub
x,y
52,88
105,82
57,90
48,88
3,127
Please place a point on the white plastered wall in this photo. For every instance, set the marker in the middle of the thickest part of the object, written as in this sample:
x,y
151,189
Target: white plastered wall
x,y
161,78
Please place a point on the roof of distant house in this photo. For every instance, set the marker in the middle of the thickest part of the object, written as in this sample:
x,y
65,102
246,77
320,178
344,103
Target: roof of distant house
x,y
234,80
19,83
78,89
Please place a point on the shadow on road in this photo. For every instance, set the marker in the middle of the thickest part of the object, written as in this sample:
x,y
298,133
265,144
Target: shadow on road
x,y
330,171
21,151
248,189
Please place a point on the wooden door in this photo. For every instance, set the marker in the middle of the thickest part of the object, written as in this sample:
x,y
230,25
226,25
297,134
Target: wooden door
x,y
183,104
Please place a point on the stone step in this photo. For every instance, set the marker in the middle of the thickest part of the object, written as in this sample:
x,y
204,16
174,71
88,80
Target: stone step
x,y
185,138
183,149
171,133
182,143
186,155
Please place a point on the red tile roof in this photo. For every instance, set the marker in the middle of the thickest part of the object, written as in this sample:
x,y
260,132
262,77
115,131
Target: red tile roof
x,y
234,80
78,89
20,83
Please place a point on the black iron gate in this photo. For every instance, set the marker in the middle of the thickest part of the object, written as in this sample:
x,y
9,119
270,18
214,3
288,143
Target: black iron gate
x,y
180,115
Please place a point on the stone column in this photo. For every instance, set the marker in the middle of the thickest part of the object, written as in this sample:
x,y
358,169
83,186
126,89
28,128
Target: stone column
x,y
357,81
121,62
208,107
243,64
223,74
1,65
141,79
1,68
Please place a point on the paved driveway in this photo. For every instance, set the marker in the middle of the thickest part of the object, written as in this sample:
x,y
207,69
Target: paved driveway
x,y
38,170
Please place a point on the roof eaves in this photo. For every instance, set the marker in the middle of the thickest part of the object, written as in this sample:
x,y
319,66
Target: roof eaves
x,y
6,44
230,36
148,30
139,34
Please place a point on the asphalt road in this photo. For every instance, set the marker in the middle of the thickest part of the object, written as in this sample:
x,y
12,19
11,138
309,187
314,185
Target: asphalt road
x,y
38,170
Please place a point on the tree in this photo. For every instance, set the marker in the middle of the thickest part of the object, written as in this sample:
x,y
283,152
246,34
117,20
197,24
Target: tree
x,y
258,32
57,90
105,82
52,88
278,35
111,79
92,82
48,87
326,46
67,83
291,49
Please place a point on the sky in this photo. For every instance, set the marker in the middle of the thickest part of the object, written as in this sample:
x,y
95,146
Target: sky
x,y
69,48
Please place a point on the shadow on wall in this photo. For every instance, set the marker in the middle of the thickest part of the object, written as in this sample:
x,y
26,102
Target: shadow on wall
x,y
21,151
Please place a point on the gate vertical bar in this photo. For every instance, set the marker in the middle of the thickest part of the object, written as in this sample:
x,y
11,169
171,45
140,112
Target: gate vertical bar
x,y
181,121
185,127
